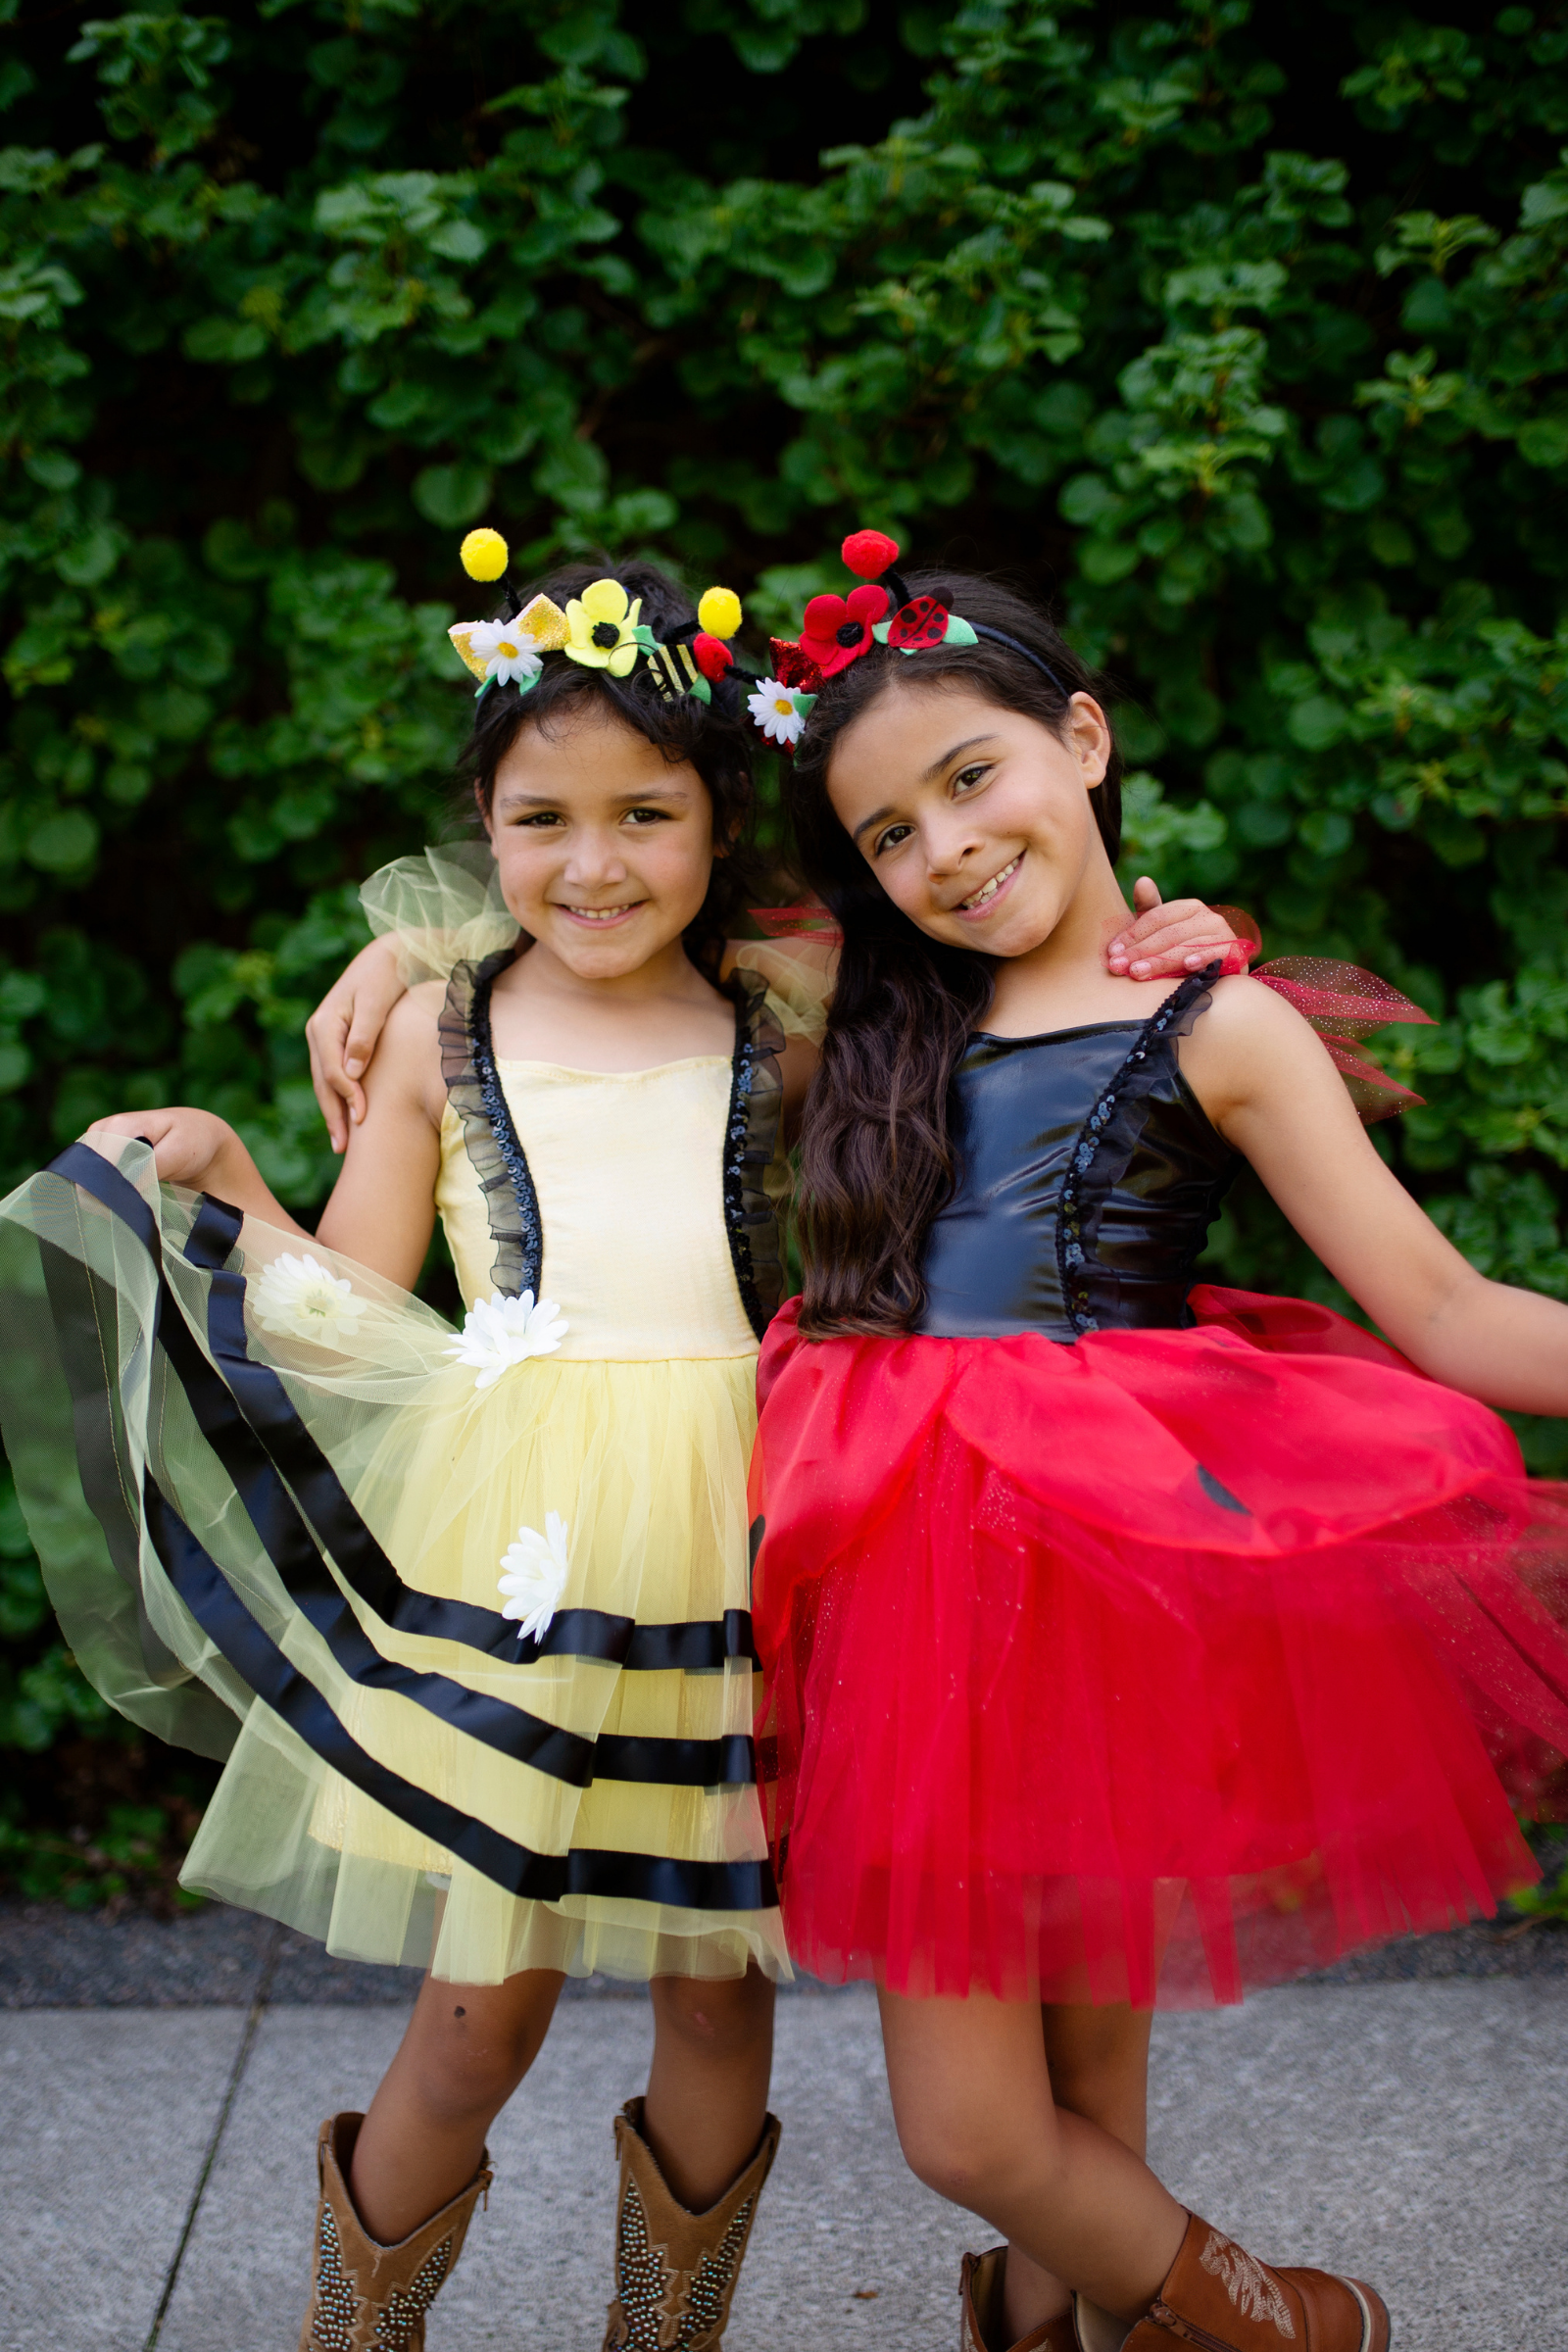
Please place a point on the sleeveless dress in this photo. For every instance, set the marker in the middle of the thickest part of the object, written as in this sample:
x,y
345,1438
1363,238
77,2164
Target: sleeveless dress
x,y
272,1508
1126,1641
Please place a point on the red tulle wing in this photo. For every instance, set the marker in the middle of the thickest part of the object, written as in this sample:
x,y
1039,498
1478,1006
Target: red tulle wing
x,y
1342,1002
1246,926
797,922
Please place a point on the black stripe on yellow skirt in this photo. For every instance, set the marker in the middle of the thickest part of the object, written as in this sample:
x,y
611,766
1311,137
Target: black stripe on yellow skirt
x,y
496,1723
544,1878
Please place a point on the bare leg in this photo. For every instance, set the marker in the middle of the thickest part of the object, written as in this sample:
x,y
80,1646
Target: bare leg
x,y
708,2085
467,2048
1098,2064
972,2099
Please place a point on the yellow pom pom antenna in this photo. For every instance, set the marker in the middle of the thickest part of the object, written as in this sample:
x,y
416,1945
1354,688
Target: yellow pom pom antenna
x,y
484,555
720,612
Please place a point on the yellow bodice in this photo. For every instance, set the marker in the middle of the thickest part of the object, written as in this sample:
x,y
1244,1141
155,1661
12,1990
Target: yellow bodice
x,y
627,1168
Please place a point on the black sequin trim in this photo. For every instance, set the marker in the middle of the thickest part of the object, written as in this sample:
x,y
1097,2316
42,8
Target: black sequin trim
x,y
751,1132
474,1089
1075,1254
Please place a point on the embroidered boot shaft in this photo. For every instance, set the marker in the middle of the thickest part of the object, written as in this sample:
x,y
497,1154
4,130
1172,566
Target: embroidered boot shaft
x,y
1217,2299
366,2297
675,2270
981,2326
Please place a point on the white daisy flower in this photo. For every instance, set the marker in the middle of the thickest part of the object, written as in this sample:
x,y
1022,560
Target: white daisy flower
x,y
507,652
776,708
533,1575
300,1298
500,1332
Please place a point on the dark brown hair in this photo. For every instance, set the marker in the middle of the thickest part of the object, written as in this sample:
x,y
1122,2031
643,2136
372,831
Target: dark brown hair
x,y
717,738
877,1163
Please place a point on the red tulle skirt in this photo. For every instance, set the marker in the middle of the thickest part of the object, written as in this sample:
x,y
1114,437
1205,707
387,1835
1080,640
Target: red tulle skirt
x,y
1148,1669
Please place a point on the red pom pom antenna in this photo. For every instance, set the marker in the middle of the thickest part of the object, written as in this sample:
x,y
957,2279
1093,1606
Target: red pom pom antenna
x,y
711,655
869,553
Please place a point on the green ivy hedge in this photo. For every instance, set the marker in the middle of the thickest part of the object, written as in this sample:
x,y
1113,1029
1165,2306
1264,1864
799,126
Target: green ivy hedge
x,y
1244,332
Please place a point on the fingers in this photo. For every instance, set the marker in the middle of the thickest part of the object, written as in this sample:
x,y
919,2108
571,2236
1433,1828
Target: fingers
x,y
180,1144
103,1136
1168,941
342,1034
340,1096
1129,942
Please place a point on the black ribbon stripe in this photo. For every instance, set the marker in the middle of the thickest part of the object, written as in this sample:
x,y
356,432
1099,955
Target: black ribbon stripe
x,y
496,1723
696,1647
543,1878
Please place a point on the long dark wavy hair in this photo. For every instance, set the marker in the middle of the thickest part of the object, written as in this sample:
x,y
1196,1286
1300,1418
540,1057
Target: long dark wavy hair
x,y
717,738
877,1163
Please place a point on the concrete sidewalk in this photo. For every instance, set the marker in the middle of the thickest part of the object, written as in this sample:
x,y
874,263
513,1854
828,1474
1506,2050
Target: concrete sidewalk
x,y
156,2170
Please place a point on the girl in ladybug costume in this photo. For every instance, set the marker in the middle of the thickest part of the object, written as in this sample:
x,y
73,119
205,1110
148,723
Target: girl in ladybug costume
x,y
1126,1641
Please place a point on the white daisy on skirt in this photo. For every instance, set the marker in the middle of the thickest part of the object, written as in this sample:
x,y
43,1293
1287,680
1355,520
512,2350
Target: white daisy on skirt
x,y
500,1332
300,1298
777,710
533,1575
506,651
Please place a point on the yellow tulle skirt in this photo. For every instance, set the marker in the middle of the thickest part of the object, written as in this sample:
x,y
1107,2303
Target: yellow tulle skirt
x,y
288,1548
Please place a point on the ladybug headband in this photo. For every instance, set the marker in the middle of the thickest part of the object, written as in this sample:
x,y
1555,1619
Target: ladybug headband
x,y
837,631
601,629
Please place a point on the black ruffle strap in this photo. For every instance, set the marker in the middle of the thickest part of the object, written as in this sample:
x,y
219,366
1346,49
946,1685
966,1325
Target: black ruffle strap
x,y
1107,1139
497,1156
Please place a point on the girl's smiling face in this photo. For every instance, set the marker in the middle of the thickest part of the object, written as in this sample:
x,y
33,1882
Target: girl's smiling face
x,y
604,849
975,821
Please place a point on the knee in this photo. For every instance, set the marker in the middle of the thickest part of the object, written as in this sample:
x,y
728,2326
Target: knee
x,y
470,2065
721,2019
962,2154
969,2153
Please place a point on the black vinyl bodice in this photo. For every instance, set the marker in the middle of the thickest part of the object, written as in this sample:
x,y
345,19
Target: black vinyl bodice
x,y
1088,1177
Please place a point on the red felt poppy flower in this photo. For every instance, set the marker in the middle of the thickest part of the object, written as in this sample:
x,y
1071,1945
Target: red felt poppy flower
x,y
793,667
921,623
869,553
837,629
711,655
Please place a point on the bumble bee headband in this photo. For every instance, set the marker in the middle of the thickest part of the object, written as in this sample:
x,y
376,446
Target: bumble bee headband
x,y
601,629
837,631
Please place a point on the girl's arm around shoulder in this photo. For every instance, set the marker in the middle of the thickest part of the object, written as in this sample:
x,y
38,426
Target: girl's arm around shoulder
x,y
382,1208
1268,1084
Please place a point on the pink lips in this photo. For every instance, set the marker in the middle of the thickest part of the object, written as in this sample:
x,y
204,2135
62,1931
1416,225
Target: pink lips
x,y
988,907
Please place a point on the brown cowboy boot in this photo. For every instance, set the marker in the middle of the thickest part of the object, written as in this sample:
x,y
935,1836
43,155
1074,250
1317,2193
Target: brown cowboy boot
x,y
366,2297
981,2327
675,2270
1221,2299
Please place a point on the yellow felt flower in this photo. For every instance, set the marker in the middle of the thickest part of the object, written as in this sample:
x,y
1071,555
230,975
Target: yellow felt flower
x,y
601,627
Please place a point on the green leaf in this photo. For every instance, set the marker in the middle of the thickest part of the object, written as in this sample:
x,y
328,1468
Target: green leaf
x,y
453,495
62,843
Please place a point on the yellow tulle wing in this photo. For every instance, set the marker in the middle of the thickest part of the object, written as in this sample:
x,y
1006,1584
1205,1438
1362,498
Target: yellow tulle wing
x,y
443,907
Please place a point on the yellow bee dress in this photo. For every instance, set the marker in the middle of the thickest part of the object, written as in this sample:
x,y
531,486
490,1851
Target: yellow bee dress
x,y
276,1498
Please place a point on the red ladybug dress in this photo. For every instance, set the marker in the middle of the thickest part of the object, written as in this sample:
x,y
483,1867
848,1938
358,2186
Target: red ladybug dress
x,y
1127,1641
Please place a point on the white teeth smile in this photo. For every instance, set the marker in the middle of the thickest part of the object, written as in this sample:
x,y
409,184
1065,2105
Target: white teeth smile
x,y
989,888
596,914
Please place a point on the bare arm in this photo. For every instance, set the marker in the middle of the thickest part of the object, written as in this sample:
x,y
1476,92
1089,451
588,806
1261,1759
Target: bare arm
x,y
1268,1086
200,1151
382,1208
